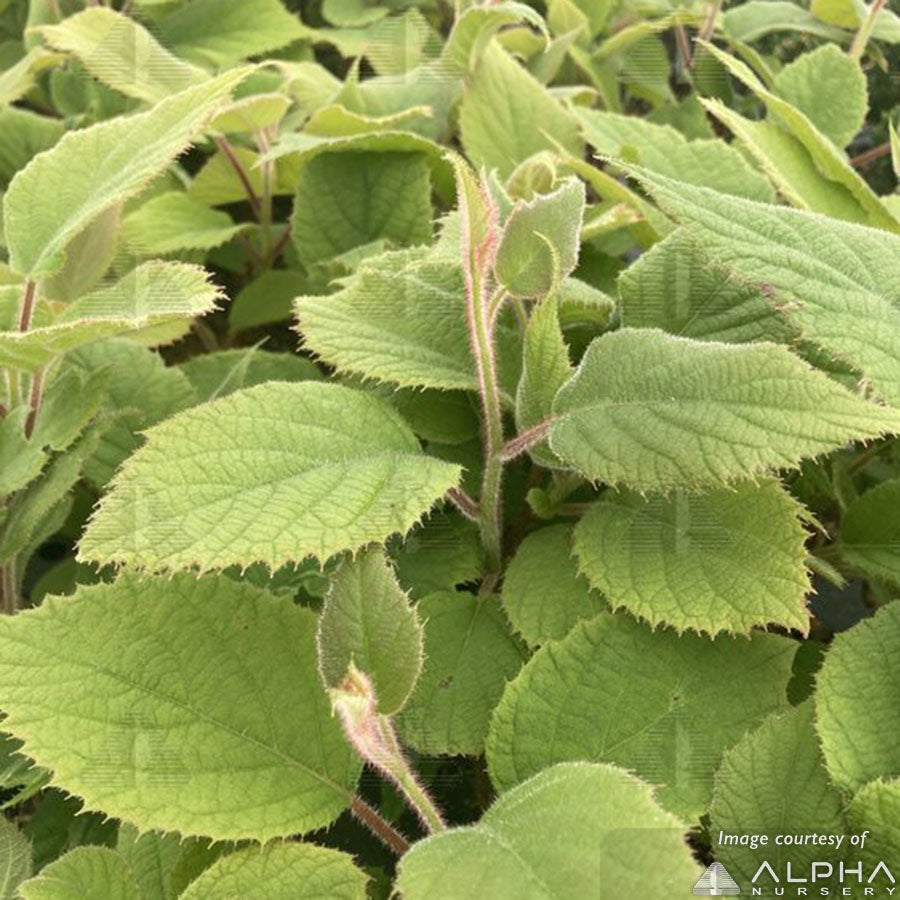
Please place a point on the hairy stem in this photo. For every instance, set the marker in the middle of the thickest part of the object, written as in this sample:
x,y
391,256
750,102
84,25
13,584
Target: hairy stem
x,y
9,595
265,208
36,395
380,827
864,158
526,440
464,503
861,39
27,307
241,172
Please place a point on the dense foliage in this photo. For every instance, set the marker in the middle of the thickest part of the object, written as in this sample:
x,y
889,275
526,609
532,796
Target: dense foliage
x,y
445,448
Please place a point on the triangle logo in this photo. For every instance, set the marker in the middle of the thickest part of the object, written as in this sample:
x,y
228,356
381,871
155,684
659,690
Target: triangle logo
x,y
716,882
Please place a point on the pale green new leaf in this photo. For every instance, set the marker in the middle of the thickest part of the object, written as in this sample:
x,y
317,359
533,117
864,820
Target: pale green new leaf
x,y
710,163
281,871
656,412
63,190
15,859
830,88
19,78
693,560
402,319
676,288
85,873
333,469
870,531
345,200
540,241
507,115
474,29
222,32
664,706
545,368
154,293
544,595
152,857
226,371
122,54
129,718
757,18
858,703
574,830
23,134
367,620
21,460
252,114
836,281
827,158
774,782
175,221
469,657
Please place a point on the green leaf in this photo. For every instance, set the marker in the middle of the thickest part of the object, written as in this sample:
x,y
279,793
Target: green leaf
x,y
151,856
446,417
569,831
540,238
20,77
827,158
122,54
222,32
856,701
130,719
402,319
656,412
175,221
21,460
870,531
218,374
876,809
267,299
85,873
24,134
835,281
15,859
367,621
140,391
708,162
545,368
469,656
813,81
692,560
473,30
757,18
63,190
507,115
334,469
773,782
664,706
154,293
281,871
344,200
676,288
544,595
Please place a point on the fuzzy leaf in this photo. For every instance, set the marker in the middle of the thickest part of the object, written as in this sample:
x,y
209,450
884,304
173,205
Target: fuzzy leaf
x,y
836,281
876,808
122,54
676,288
757,18
655,412
692,560
175,221
541,238
472,32
661,705
267,299
63,190
333,469
507,115
24,134
544,595
15,859
574,830
130,719
857,706
870,531
710,163
813,81
402,320
774,782
85,873
367,621
827,158
469,655
345,200
280,871
222,32
152,294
